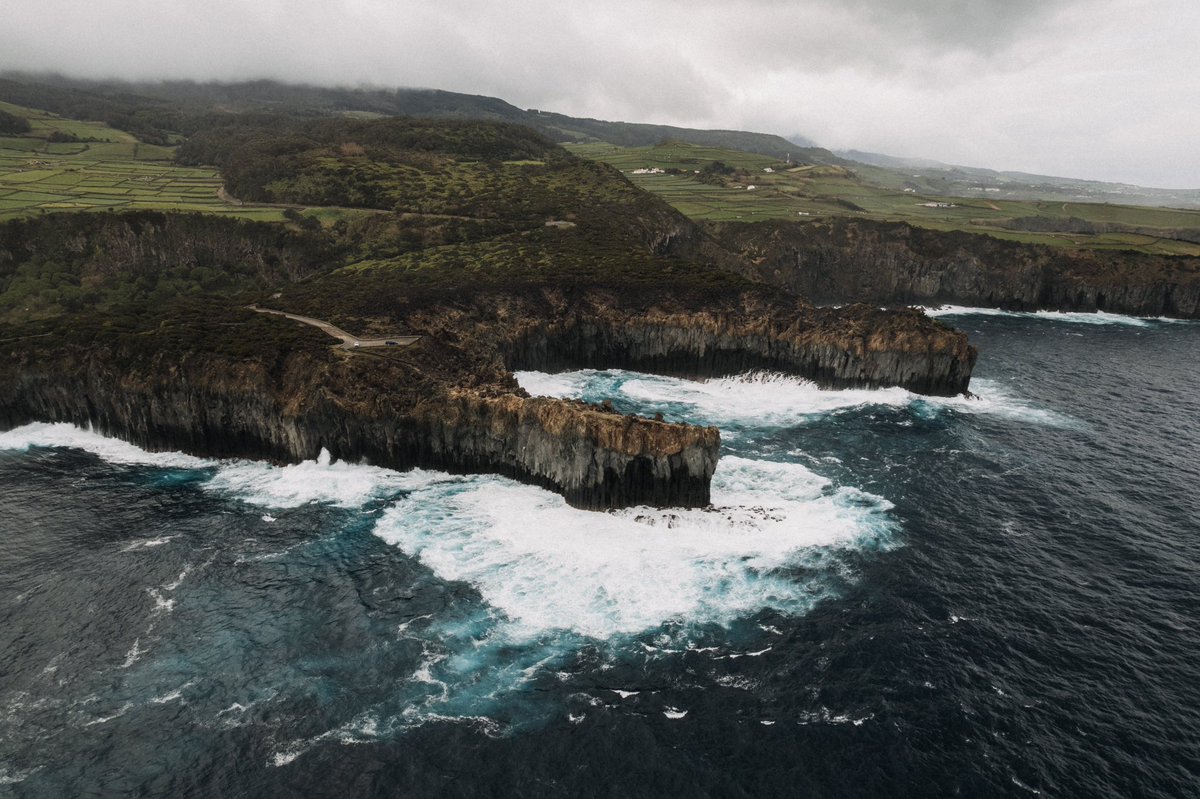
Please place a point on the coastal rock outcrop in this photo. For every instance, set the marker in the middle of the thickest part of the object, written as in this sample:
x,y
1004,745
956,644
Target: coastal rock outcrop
x,y
845,260
450,400
594,458
859,346
138,325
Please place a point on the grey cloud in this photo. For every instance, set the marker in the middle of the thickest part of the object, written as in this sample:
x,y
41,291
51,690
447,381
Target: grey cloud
x,y
1061,86
967,24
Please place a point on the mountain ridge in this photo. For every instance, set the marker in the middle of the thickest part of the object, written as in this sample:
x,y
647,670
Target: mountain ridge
x,y
154,111
268,95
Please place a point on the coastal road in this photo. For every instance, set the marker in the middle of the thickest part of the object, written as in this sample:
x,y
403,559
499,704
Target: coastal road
x,y
349,342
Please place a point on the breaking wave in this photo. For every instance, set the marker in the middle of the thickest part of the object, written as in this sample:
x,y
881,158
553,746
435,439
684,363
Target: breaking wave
x,y
113,450
768,399
1070,317
547,566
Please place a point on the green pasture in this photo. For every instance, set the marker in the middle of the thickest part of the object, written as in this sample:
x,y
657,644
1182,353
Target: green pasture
x,y
805,191
109,170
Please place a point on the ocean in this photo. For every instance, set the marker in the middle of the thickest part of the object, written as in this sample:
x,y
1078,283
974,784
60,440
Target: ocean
x,y
892,595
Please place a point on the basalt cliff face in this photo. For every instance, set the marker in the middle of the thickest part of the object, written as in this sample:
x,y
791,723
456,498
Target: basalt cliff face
x,y
450,401
500,250
897,264
355,406
859,346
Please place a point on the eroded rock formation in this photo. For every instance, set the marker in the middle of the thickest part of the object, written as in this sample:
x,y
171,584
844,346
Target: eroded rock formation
x,y
859,346
897,264
450,401
596,459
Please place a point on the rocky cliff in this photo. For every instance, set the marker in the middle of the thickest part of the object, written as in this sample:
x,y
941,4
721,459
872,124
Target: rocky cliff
x,y
859,346
450,401
897,264
499,249
350,405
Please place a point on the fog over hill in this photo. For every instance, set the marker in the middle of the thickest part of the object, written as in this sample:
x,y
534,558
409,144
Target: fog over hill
x,y
1098,89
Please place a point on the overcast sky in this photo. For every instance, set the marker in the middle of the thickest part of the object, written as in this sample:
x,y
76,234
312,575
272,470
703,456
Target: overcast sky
x,y
1104,89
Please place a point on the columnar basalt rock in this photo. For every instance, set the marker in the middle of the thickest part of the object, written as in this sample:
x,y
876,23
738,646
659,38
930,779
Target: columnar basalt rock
x,y
595,459
450,401
896,264
858,346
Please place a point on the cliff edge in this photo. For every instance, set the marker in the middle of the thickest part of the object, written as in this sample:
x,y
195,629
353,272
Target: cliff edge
x,y
449,401
894,263
496,247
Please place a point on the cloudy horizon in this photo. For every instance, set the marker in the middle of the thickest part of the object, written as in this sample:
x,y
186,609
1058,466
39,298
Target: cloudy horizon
x,y
1097,89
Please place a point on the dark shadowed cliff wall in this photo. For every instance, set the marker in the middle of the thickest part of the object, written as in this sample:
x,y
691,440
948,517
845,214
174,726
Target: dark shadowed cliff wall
x,y
896,264
355,407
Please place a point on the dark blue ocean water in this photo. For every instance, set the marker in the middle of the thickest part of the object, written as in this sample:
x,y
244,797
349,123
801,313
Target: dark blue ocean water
x,y
894,596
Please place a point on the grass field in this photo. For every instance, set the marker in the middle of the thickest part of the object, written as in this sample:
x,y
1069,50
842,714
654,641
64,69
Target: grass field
x,y
801,192
107,169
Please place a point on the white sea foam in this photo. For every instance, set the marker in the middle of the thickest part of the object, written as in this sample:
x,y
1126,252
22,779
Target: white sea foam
x,y
172,696
289,754
113,450
1072,317
257,482
14,777
121,711
991,397
135,652
547,566
826,716
402,628
161,604
149,543
768,399
346,485
363,728
484,724
178,581
360,729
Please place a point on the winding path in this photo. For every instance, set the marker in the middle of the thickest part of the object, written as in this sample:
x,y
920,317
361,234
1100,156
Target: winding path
x,y
349,342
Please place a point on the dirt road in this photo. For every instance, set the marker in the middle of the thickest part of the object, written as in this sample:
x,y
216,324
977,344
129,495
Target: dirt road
x,y
349,342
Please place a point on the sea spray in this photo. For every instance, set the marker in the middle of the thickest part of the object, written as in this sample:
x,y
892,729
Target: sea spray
x,y
547,566
1069,317
765,400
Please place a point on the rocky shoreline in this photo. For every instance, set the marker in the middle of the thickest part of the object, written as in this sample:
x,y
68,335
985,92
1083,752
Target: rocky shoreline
x,y
450,401
893,263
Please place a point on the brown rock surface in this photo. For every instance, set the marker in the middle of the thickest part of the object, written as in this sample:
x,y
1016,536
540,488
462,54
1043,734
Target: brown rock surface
x,y
896,264
450,401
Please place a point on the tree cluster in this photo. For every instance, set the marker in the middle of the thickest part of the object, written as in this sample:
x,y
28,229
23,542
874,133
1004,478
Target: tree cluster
x,y
12,125
354,163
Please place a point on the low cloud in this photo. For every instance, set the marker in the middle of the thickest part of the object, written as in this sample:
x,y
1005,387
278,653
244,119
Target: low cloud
x,y
1106,89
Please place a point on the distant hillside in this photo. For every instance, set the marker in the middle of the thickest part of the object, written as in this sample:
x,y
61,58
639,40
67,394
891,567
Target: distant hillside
x,y
934,177
632,134
123,105
725,185
166,112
